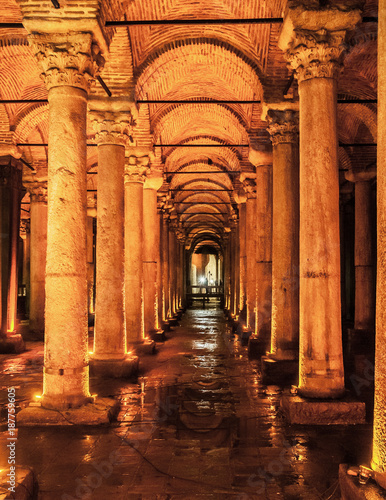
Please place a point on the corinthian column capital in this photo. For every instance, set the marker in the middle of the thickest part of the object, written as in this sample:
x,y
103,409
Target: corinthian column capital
x,y
136,168
71,59
283,126
37,190
317,54
112,127
313,38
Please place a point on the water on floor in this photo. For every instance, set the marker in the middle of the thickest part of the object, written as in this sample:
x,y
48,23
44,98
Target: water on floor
x,y
196,424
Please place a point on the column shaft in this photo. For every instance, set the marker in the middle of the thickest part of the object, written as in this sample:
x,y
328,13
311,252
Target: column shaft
x,y
151,242
364,253
321,360
243,258
379,430
165,270
65,380
263,255
38,228
133,261
110,337
251,261
285,239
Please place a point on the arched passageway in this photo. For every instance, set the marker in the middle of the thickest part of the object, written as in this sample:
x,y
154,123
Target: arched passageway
x,y
164,163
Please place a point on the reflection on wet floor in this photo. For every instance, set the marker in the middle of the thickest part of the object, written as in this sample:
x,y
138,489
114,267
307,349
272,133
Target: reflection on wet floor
x,y
197,423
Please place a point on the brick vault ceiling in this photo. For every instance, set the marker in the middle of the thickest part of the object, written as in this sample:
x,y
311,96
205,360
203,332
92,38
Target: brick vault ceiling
x,y
191,62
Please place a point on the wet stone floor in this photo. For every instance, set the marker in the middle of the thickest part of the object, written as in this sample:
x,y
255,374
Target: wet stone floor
x,y
196,424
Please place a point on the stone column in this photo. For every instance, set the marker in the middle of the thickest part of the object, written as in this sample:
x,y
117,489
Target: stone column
x,y
249,187
176,273
25,234
10,198
112,127
151,245
68,63
172,272
379,435
226,271
90,263
165,271
263,253
364,252
160,308
38,228
316,57
241,200
236,269
283,128
232,261
136,169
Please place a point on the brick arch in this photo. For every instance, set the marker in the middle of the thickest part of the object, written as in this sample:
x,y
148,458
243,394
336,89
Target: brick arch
x,y
363,113
187,120
239,111
4,120
174,157
29,120
163,70
344,159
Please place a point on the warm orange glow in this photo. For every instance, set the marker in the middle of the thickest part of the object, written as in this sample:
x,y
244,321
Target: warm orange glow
x,y
37,396
12,291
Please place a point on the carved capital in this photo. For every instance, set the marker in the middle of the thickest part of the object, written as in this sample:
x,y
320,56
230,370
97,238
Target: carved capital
x,y
136,169
317,54
24,227
70,59
112,127
154,179
249,185
37,191
91,200
283,126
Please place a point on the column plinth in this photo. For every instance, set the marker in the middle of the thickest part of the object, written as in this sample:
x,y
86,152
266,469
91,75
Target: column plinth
x,y
283,128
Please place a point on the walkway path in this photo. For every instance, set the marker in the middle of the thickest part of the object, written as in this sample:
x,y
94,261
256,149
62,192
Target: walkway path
x,y
197,424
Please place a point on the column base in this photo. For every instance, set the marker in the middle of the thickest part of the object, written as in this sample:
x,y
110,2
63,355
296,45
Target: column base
x,y
279,371
165,326
351,489
124,367
142,348
26,485
12,343
33,335
158,335
303,411
101,412
256,347
173,320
